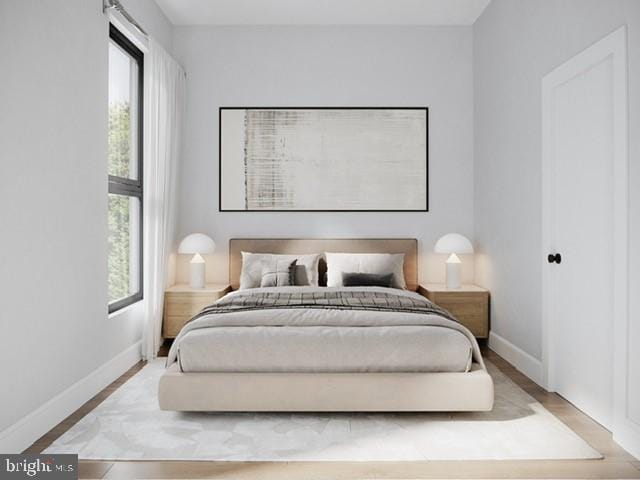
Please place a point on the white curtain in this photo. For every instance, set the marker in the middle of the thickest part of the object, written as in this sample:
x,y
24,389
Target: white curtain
x,y
164,100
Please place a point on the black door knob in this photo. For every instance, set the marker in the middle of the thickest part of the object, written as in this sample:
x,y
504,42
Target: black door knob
x,y
554,258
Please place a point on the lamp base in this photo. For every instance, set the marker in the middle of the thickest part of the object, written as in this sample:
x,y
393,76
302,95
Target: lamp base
x,y
197,271
454,268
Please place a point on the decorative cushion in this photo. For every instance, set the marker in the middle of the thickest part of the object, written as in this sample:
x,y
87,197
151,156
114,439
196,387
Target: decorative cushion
x,y
278,273
306,268
355,279
378,263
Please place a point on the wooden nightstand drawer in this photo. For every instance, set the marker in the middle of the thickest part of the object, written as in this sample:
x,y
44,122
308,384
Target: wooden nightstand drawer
x,y
173,324
181,303
189,298
469,304
174,306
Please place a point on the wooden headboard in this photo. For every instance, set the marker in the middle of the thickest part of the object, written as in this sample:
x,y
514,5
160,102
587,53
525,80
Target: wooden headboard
x,y
408,246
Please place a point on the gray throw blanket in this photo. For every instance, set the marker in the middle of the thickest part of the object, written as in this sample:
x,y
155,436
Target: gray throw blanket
x,y
329,300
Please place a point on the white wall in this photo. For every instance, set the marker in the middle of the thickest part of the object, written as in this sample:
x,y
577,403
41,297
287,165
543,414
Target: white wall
x,y
335,66
152,20
53,192
515,45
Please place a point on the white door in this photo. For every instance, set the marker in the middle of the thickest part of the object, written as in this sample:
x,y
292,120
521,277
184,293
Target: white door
x,y
581,136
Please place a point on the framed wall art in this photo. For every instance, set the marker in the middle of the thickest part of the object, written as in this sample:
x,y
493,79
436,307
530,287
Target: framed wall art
x,y
323,159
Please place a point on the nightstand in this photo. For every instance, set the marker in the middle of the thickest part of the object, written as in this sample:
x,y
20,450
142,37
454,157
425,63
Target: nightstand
x,y
469,304
181,302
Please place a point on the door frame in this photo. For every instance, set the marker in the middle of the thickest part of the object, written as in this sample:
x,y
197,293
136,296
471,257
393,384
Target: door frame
x,y
612,46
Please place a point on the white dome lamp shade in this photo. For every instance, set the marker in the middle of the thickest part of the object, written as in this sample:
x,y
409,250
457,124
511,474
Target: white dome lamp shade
x,y
454,244
197,244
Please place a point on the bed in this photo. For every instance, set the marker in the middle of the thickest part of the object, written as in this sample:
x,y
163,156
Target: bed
x,y
319,348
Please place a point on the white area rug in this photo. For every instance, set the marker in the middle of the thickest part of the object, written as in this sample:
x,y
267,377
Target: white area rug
x,y
129,426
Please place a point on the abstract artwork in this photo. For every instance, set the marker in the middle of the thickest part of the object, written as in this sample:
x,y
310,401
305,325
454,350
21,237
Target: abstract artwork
x,y
323,159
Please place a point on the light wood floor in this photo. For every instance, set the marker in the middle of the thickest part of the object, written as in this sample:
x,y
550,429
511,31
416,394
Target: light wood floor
x,y
616,464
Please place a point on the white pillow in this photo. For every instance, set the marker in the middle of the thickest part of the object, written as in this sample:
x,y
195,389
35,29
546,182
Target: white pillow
x,y
253,263
378,263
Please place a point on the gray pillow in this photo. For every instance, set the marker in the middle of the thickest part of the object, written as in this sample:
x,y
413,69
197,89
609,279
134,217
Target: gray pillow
x,y
254,263
278,273
355,279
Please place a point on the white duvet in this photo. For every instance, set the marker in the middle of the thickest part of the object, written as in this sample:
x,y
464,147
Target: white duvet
x,y
324,340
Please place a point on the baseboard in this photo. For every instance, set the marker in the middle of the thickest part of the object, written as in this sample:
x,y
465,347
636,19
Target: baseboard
x,y
525,363
24,432
627,435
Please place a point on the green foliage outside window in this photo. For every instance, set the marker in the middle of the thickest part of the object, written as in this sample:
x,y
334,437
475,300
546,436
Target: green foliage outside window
x,y
119,205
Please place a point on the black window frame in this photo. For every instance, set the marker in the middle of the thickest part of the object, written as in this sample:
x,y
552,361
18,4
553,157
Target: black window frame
x,y
127,186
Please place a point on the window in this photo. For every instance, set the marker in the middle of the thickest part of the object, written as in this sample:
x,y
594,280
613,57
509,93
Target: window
x,y
125,171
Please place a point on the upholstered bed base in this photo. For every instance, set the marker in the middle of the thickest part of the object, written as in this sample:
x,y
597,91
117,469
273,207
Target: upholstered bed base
x,y
326,392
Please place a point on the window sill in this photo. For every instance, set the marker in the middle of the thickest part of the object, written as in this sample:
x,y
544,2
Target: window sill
x,y
124,310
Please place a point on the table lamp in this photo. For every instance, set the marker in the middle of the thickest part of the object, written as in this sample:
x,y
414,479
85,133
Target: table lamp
x,y
197,244
454,244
